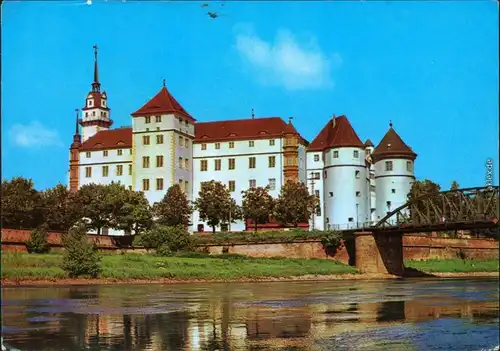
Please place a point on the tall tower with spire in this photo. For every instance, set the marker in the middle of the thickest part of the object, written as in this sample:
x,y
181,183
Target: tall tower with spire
x,y
74,158
96,113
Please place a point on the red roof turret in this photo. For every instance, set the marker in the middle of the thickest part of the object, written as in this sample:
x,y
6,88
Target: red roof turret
x,y
392,146
338,132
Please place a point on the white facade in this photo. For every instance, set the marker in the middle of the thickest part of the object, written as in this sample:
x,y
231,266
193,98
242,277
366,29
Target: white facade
x,y
267,169
315,174
162,154
394,178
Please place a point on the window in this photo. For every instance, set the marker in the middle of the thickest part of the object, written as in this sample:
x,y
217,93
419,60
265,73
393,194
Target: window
x,y
186,187
358,193
325,174
217,146
336,154
330,194
231,144
388,165
272,161
316,158
93,113
272,183
232,163
145,139
318,211
105,171
145,162
129,169
252,183
271,142
388,203
90,102
105,153
203,146
186,142
130,187
186,164
159,139
147,119
232,185
217,165
251,143
355,154
130,151
409,166
356,174
393,191
351,219
86,114
251,162
119,152
181,163
88,172
158,119
203,165
368,152
180,183
159,161
119,170
181,141
145,184
316,175
159,183
316,192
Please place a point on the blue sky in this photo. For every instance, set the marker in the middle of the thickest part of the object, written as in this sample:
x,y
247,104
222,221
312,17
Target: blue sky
x,y
430,67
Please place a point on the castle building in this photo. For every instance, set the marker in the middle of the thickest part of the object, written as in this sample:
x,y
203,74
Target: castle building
x,y
356,183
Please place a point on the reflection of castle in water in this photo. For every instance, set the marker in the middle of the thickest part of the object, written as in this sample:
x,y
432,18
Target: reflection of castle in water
x,y
217,323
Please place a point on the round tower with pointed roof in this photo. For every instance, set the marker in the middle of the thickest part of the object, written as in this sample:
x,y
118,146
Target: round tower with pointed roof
x,y
96,113
394,172
341,155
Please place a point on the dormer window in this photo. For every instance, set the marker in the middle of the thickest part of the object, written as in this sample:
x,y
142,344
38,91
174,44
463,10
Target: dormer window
x,y
90,103
103,103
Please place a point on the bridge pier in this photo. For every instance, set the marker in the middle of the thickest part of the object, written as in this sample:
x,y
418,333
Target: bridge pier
x,y
379,252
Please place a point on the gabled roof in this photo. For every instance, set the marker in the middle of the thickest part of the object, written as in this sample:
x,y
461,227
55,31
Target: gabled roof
x,y
163,102
338,134
368,143
242,129
392,146
120,138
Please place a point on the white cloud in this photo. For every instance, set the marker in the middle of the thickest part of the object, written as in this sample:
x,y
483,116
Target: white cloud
x,y
33,135
287,61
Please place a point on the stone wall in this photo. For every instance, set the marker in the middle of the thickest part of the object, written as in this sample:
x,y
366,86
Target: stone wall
x,y
415,247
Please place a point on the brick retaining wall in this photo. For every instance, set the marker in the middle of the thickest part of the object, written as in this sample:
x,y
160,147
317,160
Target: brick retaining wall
x,y
416,247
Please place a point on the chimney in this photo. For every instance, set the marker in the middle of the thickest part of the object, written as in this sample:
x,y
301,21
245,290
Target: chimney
x,y
333,120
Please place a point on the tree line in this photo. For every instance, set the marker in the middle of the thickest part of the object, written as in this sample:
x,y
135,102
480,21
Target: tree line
x,y
114,206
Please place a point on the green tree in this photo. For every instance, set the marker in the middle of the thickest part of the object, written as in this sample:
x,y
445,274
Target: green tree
x,y
20,204
294,204
59,208
166,240
38,242
174,209
454,185
257,205
80,257
215,204
423,187
131,212
101,204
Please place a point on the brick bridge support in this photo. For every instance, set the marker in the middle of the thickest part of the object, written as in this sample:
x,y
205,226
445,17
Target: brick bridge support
x,y
379,252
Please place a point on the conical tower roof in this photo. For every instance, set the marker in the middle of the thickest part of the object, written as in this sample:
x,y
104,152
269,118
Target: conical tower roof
x,y
338,132
392,146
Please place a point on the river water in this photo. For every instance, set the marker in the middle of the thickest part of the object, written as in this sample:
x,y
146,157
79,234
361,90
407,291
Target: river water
x,y
424,314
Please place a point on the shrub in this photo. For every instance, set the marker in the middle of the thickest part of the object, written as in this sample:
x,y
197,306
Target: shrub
x,y
166,239
38,242
80,257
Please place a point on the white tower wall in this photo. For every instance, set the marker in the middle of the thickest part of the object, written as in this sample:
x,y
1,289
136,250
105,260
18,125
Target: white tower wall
x,y
345,188
315,169
392,186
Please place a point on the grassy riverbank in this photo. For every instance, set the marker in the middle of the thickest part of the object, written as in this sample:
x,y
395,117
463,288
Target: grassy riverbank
x,y
454,266
23,266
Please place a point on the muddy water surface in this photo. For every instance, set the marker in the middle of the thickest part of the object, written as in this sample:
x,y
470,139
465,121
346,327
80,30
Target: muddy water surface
x,y
440,314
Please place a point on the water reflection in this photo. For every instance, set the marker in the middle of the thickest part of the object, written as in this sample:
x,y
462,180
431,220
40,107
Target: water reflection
x,y
371,315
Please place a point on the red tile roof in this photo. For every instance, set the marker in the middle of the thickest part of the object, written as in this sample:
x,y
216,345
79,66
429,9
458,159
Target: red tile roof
x,y
243,129
120,138
163,102
368,143
339,135
98,97
392,146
